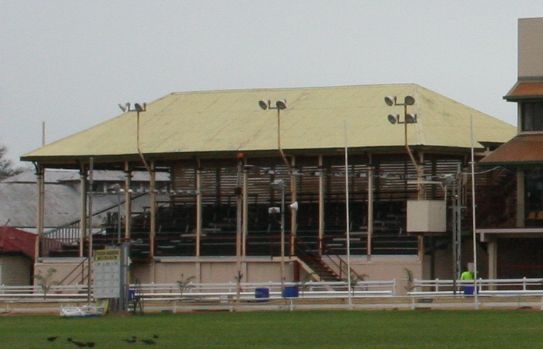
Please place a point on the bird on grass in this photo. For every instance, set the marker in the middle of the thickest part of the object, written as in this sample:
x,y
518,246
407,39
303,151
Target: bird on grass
x,y
52,339
131,340
148,341
155,336
79,344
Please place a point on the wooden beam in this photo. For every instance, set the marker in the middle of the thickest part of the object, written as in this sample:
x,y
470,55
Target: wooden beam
x,y
370,211
40,178
293,212
153,209
198,208
321,204
83,207
127,201
245,203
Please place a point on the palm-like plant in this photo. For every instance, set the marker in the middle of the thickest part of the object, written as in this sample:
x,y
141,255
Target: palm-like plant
x,y
45,282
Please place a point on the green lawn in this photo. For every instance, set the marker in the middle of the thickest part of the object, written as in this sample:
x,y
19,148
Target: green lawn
x,y
317,329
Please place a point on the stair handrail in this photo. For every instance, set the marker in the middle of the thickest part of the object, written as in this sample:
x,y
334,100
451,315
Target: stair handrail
x,y
68,225
83,275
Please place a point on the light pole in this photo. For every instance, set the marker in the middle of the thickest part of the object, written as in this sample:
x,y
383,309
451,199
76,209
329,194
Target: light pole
x,y
281,104
125,246
116,188
138,108
279,184
392,101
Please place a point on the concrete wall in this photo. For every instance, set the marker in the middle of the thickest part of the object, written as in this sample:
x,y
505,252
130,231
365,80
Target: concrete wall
x,y
65,267
15,270
208,270
530,47
386,268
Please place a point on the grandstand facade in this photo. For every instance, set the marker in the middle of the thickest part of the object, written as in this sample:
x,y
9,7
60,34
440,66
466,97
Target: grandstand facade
x,y
225,157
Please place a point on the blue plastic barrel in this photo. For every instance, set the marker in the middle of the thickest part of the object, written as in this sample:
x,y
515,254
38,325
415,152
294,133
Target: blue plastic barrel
x,y
469,290
131,294
262,293
290,292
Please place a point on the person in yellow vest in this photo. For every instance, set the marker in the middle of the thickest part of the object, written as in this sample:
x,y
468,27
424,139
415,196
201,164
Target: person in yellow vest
x,y
466,276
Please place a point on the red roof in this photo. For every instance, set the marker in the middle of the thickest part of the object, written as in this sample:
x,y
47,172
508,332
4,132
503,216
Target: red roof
x,y
525,90
522,150
17,241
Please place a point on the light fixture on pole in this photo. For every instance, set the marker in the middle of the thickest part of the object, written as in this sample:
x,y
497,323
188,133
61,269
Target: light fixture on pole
x,y
281,104
125,246
279,184
408,118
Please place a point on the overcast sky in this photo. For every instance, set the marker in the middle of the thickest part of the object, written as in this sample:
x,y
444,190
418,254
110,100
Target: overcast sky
x,y
70,62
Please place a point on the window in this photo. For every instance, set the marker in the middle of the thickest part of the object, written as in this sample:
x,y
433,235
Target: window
x,y
531,114
534,196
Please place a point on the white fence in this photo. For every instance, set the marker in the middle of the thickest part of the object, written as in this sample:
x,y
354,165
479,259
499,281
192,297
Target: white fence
x,y
485,287
248,292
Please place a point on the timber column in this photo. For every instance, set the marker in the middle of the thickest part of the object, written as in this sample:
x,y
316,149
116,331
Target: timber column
x,y
153,209
198,208
321,205
83,216
40,178
370,213
127,201
293,210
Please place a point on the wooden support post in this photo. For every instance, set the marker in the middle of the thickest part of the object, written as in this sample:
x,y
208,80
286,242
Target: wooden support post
x,y
153,209
370,212
83,207
245,218
239,212
127,201
321,205
421,194
293,211
40,178
521,213
198,208
492,248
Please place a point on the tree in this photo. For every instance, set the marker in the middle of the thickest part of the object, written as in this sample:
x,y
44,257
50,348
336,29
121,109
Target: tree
x,y
6,165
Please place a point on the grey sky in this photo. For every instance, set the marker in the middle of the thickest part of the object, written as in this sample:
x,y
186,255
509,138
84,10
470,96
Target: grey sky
x,y
69,63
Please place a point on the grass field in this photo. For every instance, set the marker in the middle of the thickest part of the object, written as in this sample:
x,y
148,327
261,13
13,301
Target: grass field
x,y
379,329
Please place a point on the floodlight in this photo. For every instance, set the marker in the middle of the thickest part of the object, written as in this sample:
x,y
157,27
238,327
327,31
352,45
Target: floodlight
x,y
392,119
274,210
294,206
390,101
281,104
410,118
409,100
263,104
138,107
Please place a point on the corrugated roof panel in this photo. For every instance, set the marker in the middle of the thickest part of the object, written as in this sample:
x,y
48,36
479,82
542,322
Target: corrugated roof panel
x,y
218,121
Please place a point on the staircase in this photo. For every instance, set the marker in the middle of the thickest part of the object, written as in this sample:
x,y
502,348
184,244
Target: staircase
x,y
316,264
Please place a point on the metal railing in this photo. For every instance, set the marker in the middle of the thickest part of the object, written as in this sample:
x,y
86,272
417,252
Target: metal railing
x,y
205,291
227,292
523,286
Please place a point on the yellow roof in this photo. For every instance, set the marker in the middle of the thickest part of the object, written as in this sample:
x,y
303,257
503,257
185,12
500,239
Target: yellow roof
x,y
226,121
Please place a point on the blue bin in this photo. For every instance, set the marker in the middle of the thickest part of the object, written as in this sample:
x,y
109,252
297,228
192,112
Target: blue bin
x,y
131,294
262,293
469,290
290,292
